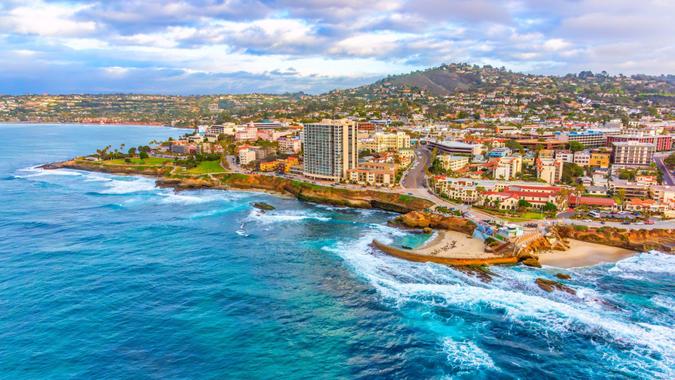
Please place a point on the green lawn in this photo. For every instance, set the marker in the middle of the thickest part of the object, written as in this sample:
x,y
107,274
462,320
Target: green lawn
x,y
205,167
524,217
150,161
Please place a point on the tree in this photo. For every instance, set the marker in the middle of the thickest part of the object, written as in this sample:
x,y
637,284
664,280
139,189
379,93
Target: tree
x,y
576,146
550,207
670,161
523,204
143,155
514,145
132,151
571,172
627,174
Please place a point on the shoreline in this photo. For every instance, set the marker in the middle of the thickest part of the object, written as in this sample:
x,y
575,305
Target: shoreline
x,y
365,199
584,254
125,124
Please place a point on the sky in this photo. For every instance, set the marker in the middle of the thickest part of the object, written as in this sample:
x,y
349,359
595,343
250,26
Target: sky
x,y
275,46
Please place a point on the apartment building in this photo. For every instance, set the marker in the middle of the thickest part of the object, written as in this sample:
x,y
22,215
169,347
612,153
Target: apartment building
x,y
549,170
590,139
661,142
582,158
453,163
632,153
391,141
508,167
288,145
564,155
373,174
330,149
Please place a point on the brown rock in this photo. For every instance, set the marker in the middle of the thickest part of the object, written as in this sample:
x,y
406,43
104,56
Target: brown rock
x,y
427,230
531,262
550,285
563,276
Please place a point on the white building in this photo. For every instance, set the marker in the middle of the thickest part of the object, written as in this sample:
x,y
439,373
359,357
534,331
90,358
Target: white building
x,y
582,158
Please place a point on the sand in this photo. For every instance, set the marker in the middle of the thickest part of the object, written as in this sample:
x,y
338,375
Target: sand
x,y
453,244
582,254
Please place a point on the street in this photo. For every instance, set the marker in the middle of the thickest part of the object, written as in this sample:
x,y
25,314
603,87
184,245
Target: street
x,y
668,178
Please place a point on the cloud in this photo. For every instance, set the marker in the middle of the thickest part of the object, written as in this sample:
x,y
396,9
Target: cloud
x,y
199,45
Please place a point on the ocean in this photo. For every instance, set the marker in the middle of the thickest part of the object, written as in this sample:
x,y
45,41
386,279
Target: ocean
x,y
106,276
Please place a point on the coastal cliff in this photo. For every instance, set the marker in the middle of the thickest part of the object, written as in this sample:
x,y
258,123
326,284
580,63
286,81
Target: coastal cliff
x,y
302,190
636,240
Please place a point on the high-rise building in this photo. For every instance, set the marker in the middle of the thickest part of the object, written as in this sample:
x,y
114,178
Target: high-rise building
x,y
632,153
330,149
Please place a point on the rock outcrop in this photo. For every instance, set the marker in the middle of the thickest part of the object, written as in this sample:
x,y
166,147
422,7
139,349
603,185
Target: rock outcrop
x,y
550,285
637,240
420,219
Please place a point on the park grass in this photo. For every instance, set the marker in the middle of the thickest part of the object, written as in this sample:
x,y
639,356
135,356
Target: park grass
x,y
206,167
524,217
150,161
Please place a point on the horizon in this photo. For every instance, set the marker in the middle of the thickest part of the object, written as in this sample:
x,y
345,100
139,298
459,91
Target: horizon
x,y
205,47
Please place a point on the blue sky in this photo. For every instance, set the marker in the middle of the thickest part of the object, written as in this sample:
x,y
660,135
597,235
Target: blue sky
x,y
238,46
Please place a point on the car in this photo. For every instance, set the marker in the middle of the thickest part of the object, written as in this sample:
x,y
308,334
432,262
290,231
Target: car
x,y
626,222
649,222
410,193
603,222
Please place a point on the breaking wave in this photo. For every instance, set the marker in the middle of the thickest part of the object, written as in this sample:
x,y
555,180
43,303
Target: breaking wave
x,y
512,293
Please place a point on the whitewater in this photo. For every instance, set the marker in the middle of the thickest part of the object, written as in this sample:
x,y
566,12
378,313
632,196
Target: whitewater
x,y
108,276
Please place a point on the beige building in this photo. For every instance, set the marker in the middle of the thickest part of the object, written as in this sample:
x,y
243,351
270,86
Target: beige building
x,y
330,149
391,141
247,155
453,163
373,174
632,153
549,170
508,167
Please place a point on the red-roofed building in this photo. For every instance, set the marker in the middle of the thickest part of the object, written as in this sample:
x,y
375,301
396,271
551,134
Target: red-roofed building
x,y
509,197
574,201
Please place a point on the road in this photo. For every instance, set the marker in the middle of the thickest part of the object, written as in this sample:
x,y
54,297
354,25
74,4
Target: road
x,y
668,178
414,183
415,176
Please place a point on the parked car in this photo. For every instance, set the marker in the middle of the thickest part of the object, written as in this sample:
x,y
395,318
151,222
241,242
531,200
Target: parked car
x,y
649,221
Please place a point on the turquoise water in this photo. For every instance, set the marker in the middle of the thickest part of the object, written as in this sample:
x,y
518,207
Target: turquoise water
x,y
105,276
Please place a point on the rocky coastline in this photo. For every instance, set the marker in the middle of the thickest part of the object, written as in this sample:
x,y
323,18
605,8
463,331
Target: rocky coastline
x,y
369,199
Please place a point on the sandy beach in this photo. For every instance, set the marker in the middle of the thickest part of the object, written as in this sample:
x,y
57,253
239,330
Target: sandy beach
x,y
582,254
453,244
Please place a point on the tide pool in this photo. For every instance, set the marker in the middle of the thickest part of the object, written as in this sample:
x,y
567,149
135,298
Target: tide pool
x,y
105,276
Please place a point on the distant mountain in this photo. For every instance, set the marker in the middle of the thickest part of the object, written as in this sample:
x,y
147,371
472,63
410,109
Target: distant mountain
x,y
454,78
448,79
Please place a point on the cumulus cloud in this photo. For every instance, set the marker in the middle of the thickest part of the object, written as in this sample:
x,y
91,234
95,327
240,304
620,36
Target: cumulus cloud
x,y
200,45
